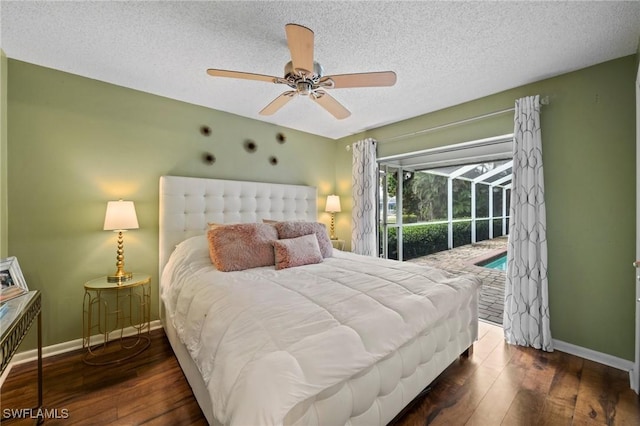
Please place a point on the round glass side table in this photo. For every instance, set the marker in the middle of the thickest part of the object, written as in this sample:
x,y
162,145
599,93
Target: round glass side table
x,y
116,319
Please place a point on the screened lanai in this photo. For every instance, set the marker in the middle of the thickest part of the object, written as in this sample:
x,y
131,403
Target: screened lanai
x,y
442,198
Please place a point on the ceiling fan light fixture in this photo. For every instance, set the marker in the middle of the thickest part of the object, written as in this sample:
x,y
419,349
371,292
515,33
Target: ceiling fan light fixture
x,y
304,87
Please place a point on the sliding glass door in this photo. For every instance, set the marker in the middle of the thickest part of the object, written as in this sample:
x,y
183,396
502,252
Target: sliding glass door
x,y
435,206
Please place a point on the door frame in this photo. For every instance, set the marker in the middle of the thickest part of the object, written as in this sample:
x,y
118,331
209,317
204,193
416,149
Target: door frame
x,y
634,374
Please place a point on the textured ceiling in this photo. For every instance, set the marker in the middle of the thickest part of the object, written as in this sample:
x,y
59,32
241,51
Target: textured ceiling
x,y
444,53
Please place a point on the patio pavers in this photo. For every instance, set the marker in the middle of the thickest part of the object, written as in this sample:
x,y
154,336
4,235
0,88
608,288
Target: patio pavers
x,y
461,260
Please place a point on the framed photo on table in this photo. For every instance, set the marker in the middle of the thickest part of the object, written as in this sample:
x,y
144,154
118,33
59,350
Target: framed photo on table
x,y
12,283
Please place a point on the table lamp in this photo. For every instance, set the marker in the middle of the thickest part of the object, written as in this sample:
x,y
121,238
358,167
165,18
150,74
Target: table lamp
x,y
333,207
120,216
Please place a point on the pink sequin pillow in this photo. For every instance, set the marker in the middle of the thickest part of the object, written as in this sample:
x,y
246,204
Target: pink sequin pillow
x,y
241,246
297,251
298,229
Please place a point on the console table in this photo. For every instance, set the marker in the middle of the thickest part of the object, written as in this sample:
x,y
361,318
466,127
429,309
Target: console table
x,y
17,317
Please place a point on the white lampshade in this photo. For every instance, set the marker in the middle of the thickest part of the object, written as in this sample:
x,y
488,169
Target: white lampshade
x,y
333,204
120,215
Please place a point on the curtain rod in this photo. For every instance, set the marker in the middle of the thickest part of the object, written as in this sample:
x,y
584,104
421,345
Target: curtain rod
x,y
543,101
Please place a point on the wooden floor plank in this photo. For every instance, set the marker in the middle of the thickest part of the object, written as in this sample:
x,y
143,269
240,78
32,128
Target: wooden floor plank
x,y
528,405
499,384
556,413
458,407
595,399
489,337
495,404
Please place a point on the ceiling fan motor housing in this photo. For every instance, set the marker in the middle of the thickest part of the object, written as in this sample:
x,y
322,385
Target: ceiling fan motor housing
x,y
289,71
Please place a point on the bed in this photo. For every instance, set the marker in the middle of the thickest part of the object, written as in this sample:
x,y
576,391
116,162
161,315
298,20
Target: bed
x,y
300,345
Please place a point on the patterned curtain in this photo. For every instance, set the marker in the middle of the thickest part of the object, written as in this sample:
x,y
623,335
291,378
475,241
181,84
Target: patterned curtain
x,y
526,304
364,185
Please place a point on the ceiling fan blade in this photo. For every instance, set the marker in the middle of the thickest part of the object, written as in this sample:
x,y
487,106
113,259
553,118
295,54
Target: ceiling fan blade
x,y
329,103
300,41
243,75
365,79
278,103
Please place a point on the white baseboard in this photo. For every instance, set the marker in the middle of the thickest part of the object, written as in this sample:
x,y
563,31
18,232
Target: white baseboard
x,y
599,357
60,348
633,379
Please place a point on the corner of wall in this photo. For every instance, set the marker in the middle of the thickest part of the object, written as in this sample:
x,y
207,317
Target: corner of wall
x,y
4,225
638,54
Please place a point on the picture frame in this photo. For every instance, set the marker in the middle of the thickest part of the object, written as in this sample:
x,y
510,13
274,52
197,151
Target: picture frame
x,y
12,282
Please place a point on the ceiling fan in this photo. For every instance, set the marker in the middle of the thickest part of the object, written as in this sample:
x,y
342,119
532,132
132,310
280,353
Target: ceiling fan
x,y
305,76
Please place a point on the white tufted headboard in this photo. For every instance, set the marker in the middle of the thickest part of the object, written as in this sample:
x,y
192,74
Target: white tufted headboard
x,y
188,204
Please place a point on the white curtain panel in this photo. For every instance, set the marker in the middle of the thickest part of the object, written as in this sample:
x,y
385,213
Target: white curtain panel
x,y
364,185
526,306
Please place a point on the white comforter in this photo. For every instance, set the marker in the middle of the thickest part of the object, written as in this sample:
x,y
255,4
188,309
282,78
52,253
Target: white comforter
x,y
266,340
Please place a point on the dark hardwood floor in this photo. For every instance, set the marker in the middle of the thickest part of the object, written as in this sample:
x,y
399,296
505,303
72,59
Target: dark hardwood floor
x,y
498,385
148,389
509,385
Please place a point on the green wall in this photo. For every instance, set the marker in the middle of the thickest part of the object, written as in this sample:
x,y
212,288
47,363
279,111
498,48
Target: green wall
x,y
76,143
79,143
588,136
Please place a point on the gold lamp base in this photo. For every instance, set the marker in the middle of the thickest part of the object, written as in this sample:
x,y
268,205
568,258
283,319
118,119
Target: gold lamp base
x,y
117,278
120,274
332,234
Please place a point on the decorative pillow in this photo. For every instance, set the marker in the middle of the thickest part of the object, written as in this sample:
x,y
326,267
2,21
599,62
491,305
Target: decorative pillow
x,y
241,246
297,251
292,229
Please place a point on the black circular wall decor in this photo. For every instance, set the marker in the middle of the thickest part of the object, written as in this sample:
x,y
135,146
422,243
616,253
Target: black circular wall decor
x,y
250,146
273,160
208,158
205,130
281,138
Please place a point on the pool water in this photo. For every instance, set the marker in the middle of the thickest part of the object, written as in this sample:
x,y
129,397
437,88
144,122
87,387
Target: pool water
x,y
499,263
